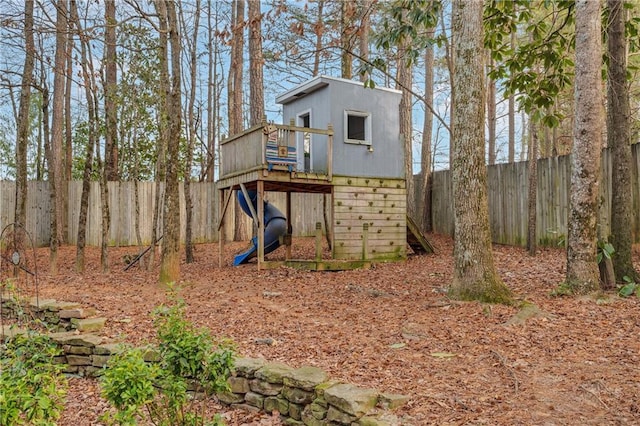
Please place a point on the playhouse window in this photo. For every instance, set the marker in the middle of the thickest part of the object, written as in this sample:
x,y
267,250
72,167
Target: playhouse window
x,y
357,127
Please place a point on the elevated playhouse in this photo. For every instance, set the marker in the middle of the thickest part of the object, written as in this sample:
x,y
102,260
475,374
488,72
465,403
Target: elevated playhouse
x,y
343,139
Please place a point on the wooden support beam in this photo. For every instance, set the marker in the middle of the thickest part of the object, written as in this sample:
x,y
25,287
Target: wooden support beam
x,y
260,213
287,241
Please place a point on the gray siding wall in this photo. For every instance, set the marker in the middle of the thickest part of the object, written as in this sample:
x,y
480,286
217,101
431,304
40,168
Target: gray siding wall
x,y
328,105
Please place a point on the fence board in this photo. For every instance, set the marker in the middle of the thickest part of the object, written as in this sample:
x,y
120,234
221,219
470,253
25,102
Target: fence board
x,y
508,199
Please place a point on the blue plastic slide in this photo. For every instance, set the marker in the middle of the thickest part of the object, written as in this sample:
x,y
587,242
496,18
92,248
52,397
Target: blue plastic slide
x,y
275,225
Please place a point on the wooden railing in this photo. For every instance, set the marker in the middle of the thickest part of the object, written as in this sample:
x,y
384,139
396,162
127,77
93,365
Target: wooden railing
x,y
274,147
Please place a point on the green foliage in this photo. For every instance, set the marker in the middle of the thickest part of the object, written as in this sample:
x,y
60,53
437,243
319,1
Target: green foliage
x,y
128,384
190,359
539,67
629,288
189,352
32,386
605,250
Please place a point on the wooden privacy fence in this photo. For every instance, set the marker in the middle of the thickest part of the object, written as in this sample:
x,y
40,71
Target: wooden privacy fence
x,y
508,199
307,209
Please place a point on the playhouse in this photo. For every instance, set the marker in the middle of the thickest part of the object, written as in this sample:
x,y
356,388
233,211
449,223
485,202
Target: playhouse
x,y
342,139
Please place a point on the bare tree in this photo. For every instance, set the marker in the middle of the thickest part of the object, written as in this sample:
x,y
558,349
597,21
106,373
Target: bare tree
x,y
192,127
256,63
110,90
427,131
56,171
618,139
405,83
532,242
235,95
582,269
88,74
475,275
491,115
23,125
170,265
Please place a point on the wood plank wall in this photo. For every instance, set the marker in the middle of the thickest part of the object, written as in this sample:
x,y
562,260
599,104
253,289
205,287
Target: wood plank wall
x,y
382,205
306,210
508,198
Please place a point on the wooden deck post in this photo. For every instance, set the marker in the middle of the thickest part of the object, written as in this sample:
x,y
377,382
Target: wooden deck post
x,y
318,241
260,190
365,241
287,239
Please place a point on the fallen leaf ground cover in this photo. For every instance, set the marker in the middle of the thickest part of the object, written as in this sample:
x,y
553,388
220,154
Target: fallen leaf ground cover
x,y
572,361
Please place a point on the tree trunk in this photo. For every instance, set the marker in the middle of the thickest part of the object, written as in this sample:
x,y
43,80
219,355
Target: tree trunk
x,y
582,267
346,24
256,63
532,241
365,28
318,33
170,266
56,171
405,83
427,130
212,48
87,73
491,116
475,276
23,122
512,114
235,94
110,92
618,139
188,244
163,126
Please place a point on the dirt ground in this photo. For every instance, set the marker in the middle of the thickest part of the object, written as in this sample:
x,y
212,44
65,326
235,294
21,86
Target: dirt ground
x,y
576,362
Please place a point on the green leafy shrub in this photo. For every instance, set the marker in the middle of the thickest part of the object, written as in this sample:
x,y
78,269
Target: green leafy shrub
x,y
629,288
191,360
32,386
128,384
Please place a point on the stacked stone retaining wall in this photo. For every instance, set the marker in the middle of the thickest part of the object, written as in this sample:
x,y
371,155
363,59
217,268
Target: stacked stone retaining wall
x,y
304,396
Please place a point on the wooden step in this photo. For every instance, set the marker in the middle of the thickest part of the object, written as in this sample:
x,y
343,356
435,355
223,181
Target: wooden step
x,y
416,239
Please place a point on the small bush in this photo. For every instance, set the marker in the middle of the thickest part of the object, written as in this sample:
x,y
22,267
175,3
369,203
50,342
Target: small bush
x,y
190,360
32,386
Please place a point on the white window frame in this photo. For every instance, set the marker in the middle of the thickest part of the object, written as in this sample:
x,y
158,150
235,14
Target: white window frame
x,y
367,127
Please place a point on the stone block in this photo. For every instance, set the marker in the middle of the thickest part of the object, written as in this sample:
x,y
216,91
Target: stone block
x,y
246,367
74,339
273,372
246,407
108,349
230,398
88,325
238,384
100,360
297,396
61,306
273,403
306,378
351,399
310,420
78,360
79,313
292,422
264,388
391,401
295,411
254,399
338,416
76,350
382,420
